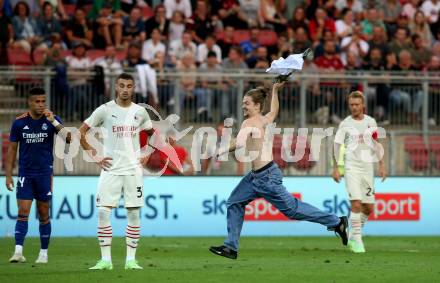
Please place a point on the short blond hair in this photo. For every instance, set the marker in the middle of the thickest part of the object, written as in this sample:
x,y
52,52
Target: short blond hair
x,y
356,94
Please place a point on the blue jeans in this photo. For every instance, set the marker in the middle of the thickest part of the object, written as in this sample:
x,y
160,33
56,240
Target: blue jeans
x,y
268,185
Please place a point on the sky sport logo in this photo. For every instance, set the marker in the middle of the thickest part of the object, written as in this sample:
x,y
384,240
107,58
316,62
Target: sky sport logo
x,y
397,206
261,210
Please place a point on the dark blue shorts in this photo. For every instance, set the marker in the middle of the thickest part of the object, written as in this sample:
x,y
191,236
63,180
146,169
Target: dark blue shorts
x,y
36,187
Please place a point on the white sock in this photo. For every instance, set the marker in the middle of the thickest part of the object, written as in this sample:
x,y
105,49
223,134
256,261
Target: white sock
x,y
132,232
356,226
43,252
105,233
18,249
364,219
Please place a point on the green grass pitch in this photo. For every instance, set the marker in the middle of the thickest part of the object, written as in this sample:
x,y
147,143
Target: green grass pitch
x,y
280,259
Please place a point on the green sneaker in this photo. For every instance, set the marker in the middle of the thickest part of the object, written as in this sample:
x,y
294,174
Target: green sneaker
x,y
356,247
102,265
132,264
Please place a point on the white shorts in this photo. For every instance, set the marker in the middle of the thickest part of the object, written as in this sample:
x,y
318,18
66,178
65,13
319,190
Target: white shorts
x,y
112,187
360,185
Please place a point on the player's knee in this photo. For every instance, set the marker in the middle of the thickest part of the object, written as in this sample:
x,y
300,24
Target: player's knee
x,y
133,216
104,215
356,206
367,209
24,212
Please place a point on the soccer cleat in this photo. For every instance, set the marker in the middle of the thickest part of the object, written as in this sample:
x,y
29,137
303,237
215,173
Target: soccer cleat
x,y
102,265
224,251
342,229
42,259
132,264
17,258
356,247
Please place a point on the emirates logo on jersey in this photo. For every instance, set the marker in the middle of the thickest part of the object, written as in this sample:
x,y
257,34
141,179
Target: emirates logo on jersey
x,y
124,131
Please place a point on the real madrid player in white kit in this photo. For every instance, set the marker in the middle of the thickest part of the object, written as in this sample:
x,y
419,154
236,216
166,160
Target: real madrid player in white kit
x,y
358,133
121,174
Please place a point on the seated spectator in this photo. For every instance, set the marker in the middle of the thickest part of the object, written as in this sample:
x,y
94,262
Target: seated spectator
x,y
98,5
406,95
352,5
330,60
49,26
133,56
301,41
80,30
6,37
299,19
282,49
159,21
433,69
227,41
410,8
420,26
227,13
110,65
128,5
273,15
379,40
152,46
420,53
249,46
108,28
234,59
176,26
179,47
344,26
187,81
371,20
400,42
27,34
431,9
354,44
319,24
208,46
201,23
328,35
183,6
391,11
249,14
134,27
261,57
209,86
78,95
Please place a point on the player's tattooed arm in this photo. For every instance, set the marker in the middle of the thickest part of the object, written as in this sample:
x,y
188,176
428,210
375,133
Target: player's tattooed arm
x,y
58,126
103,162
10,160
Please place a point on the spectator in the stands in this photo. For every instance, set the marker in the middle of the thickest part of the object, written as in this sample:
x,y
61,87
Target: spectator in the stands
x,y
227,12
261,56
299,19
234,62
302,41
433,69
159,21
282,49
128,5
152,46
400,42
249,46
179,47
354,44
50,27
27,34
6,35
178,5
352,5
133,56
328,35
420,53
431,9
420,26
410,8
109,64
344,26
227,41
250,13
379,40
108,28
201,23
234,59
80,30
98,5
208,46
272,14
371,20
134,27
176,26
391,11
319,24
187,81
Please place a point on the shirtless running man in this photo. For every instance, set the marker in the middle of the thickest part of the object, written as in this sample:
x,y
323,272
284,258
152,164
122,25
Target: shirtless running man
x,y
265,179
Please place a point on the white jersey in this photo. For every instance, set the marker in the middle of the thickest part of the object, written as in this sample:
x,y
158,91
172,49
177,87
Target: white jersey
x,y
356,136
121,137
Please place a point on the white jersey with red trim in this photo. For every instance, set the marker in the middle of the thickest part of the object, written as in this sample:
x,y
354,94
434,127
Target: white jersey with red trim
x,y
357,136
121,134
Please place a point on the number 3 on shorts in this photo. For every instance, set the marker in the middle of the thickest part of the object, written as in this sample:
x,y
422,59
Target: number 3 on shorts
x,y
139,191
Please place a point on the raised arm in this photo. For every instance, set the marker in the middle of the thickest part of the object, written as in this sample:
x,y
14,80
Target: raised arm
x,y
274,103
